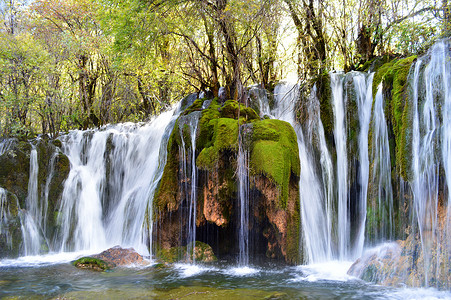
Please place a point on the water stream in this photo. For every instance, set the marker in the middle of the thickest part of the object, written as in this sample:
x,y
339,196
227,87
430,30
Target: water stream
x,y
346,199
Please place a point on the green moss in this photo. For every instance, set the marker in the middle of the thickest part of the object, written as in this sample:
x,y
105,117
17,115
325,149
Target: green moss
x,y
231,109
400,113
275,153
325,98
196,106
165,197
202,253
206,129
218,135
92,263
379,75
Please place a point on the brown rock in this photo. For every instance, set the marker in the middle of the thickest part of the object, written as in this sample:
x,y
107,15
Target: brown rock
x,y
118,256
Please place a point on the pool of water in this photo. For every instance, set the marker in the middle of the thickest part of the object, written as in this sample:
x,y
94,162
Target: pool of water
x,y
53,277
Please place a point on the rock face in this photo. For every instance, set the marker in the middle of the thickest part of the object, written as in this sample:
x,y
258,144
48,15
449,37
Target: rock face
x,y
409,262
273,167
53,168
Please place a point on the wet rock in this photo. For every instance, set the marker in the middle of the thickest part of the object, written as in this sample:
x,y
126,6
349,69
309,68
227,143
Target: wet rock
x,y
110,258
118,256
202,253
91,263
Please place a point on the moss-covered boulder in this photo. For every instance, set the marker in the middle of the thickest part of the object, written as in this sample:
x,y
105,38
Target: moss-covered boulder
x,y
275,154
274,174
202,252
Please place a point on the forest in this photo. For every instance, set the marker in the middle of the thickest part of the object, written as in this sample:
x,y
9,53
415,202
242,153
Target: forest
x,y
77,64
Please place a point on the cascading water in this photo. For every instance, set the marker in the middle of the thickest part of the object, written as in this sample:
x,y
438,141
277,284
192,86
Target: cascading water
x,y
31,217
363,85
432,77
381,201
316,192
190,122
317,215
340,134
120,164
6,217
243,181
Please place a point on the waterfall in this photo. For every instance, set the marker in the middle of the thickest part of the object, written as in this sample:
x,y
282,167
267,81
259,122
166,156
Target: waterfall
x,y
6,217
340,136
430,83
190,122
316,190
110,186
322,204
381,203
442,52
363,86
31,217
243,180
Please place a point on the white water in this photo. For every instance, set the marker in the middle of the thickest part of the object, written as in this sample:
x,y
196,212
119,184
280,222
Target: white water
x,y
316,190
243,194
190,178
120,164
32,216
363,85
430,84
340,136
382,201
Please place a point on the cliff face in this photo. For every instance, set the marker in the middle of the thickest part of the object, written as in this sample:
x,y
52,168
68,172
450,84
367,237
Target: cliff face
x,y
273,174
52,170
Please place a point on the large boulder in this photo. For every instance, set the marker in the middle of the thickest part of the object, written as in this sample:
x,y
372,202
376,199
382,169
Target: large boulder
x,y
273,167
111,258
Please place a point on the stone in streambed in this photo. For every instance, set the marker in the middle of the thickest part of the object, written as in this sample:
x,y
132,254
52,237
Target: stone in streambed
x,y
110,258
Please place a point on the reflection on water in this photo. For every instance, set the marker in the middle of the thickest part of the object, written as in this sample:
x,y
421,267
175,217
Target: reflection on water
x,y
213,281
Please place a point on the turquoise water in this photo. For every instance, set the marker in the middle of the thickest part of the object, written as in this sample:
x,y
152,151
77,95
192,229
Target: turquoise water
x,y
53,277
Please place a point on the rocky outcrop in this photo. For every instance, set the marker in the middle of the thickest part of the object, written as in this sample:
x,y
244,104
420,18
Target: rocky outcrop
x,y
273,167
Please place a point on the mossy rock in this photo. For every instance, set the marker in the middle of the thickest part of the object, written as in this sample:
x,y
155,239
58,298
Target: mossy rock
x,y
196,106
233,109
15,170
166,195
224,137
275,153
394,76
202,253
92,263
325,100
